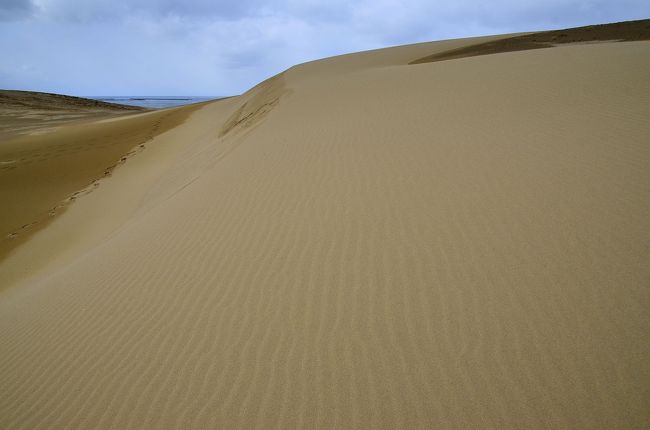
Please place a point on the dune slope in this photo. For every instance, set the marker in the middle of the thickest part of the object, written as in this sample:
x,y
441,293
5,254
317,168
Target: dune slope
x,y
357,243
41,173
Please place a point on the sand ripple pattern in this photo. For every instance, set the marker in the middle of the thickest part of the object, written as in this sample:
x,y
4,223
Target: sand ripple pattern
x,y
390,247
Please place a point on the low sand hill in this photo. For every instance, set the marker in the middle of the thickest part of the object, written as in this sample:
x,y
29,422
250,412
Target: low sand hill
x,y
23,112
357,243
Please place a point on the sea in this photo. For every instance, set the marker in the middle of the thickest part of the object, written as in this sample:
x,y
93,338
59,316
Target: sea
x,y
154,102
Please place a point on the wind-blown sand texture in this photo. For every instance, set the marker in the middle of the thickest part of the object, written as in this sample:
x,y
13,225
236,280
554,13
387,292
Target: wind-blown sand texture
x,y
357,243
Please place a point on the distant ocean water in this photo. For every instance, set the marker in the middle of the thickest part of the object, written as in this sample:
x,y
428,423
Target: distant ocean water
x,y
154,102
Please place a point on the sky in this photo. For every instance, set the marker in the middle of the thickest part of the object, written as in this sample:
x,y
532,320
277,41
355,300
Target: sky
x,y
218,48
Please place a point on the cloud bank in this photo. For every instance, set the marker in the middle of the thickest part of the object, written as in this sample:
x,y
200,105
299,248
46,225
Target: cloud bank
x,y
205,47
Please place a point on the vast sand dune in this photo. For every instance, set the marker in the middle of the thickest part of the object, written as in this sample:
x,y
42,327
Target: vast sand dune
x,y
357,243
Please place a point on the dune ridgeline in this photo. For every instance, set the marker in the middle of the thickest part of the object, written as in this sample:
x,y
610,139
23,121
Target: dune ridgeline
x,y
452,234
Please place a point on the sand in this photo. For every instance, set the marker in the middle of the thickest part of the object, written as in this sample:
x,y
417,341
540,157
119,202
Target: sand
x,y
357,243
41,173
29,112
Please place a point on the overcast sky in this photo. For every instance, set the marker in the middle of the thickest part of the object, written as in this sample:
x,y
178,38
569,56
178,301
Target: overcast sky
x,y
213,47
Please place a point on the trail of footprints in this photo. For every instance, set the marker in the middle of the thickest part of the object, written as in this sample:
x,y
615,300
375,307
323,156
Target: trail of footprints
x,y
62,150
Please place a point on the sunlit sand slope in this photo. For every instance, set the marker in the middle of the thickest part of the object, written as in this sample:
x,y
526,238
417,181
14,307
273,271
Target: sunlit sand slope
x,y
357,243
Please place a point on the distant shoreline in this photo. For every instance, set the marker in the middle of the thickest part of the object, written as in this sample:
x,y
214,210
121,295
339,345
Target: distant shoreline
x,y
154,102
145,98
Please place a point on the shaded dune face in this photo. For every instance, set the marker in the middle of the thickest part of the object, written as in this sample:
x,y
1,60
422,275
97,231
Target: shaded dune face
x,y
41,174
620,31
356,243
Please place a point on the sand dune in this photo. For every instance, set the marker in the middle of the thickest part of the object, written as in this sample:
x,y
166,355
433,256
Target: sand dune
x,y
40,174
357,243
23,112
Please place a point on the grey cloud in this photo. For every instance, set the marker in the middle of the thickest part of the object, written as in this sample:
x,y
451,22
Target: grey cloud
x,y
117,10
533,15
15,9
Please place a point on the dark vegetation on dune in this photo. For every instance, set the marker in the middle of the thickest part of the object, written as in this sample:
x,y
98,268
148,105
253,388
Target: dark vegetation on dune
x,y
619,31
